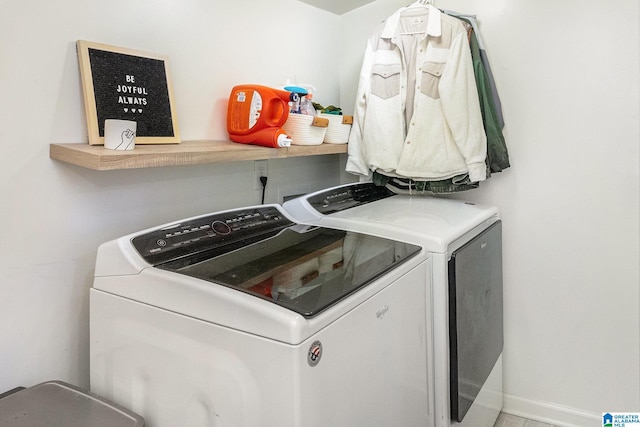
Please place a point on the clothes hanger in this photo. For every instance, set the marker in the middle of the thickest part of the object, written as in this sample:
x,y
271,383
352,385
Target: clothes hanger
x,y
420,3
458,14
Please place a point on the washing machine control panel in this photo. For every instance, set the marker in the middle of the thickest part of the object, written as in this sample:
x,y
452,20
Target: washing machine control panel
x,y
217,233
347,197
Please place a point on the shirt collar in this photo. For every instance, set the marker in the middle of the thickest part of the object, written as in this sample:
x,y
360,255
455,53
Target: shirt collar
x,y
434,23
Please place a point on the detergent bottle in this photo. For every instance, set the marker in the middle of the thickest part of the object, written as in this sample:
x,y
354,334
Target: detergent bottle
x,y
256,115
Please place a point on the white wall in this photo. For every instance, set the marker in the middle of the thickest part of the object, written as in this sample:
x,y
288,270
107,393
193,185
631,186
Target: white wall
x,y
55,215
568,75
567,72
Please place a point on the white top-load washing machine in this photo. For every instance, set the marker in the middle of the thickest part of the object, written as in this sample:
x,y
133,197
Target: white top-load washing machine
x,y
244,318
464,242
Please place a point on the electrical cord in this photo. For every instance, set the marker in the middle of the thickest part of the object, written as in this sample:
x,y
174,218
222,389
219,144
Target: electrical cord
x,y
263,180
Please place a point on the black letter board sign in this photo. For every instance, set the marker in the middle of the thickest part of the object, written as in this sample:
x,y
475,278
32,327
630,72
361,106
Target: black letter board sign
x,y
126,84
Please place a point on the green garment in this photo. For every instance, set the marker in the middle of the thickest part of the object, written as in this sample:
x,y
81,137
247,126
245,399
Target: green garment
x,y
497,155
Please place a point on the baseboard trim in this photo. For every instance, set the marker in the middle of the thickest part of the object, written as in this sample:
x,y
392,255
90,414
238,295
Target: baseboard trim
x,y
549,413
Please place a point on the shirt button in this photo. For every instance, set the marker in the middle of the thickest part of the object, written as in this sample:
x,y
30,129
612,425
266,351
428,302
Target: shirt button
x,y
408,142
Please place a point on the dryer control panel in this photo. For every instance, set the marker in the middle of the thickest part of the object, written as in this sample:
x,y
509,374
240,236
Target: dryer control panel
x,y
346,197
217,233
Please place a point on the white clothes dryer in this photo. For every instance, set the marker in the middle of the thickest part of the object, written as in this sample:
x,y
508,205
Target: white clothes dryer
x,y
244,318
464,242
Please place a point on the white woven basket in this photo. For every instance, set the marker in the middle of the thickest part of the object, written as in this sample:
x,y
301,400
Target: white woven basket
x,y
339,128
302,130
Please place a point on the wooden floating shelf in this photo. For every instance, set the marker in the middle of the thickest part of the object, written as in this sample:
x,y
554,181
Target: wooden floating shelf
x,y
97,157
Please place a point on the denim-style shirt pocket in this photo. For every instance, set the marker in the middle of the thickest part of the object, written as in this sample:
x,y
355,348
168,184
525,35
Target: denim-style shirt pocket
x,y
431,73
385,80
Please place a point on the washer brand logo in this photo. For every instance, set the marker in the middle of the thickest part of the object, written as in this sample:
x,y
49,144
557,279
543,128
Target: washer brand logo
x,y
314,354
381,312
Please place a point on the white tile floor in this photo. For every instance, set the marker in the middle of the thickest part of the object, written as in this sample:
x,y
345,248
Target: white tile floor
x,y
505,420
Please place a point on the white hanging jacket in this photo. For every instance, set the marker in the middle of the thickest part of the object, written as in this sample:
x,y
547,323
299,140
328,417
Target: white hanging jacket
x,y
417,113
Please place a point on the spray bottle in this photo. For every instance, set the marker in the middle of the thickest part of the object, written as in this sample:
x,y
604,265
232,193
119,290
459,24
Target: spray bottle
x,y
306,104
305,93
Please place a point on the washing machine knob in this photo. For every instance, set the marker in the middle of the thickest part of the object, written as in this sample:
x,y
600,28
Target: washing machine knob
x,y
220,227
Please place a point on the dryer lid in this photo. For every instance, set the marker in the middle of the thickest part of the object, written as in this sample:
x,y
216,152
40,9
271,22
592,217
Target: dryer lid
x,y
433,222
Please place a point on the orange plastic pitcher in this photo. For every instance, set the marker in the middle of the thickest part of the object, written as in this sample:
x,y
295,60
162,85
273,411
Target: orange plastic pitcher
x,y
256,115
